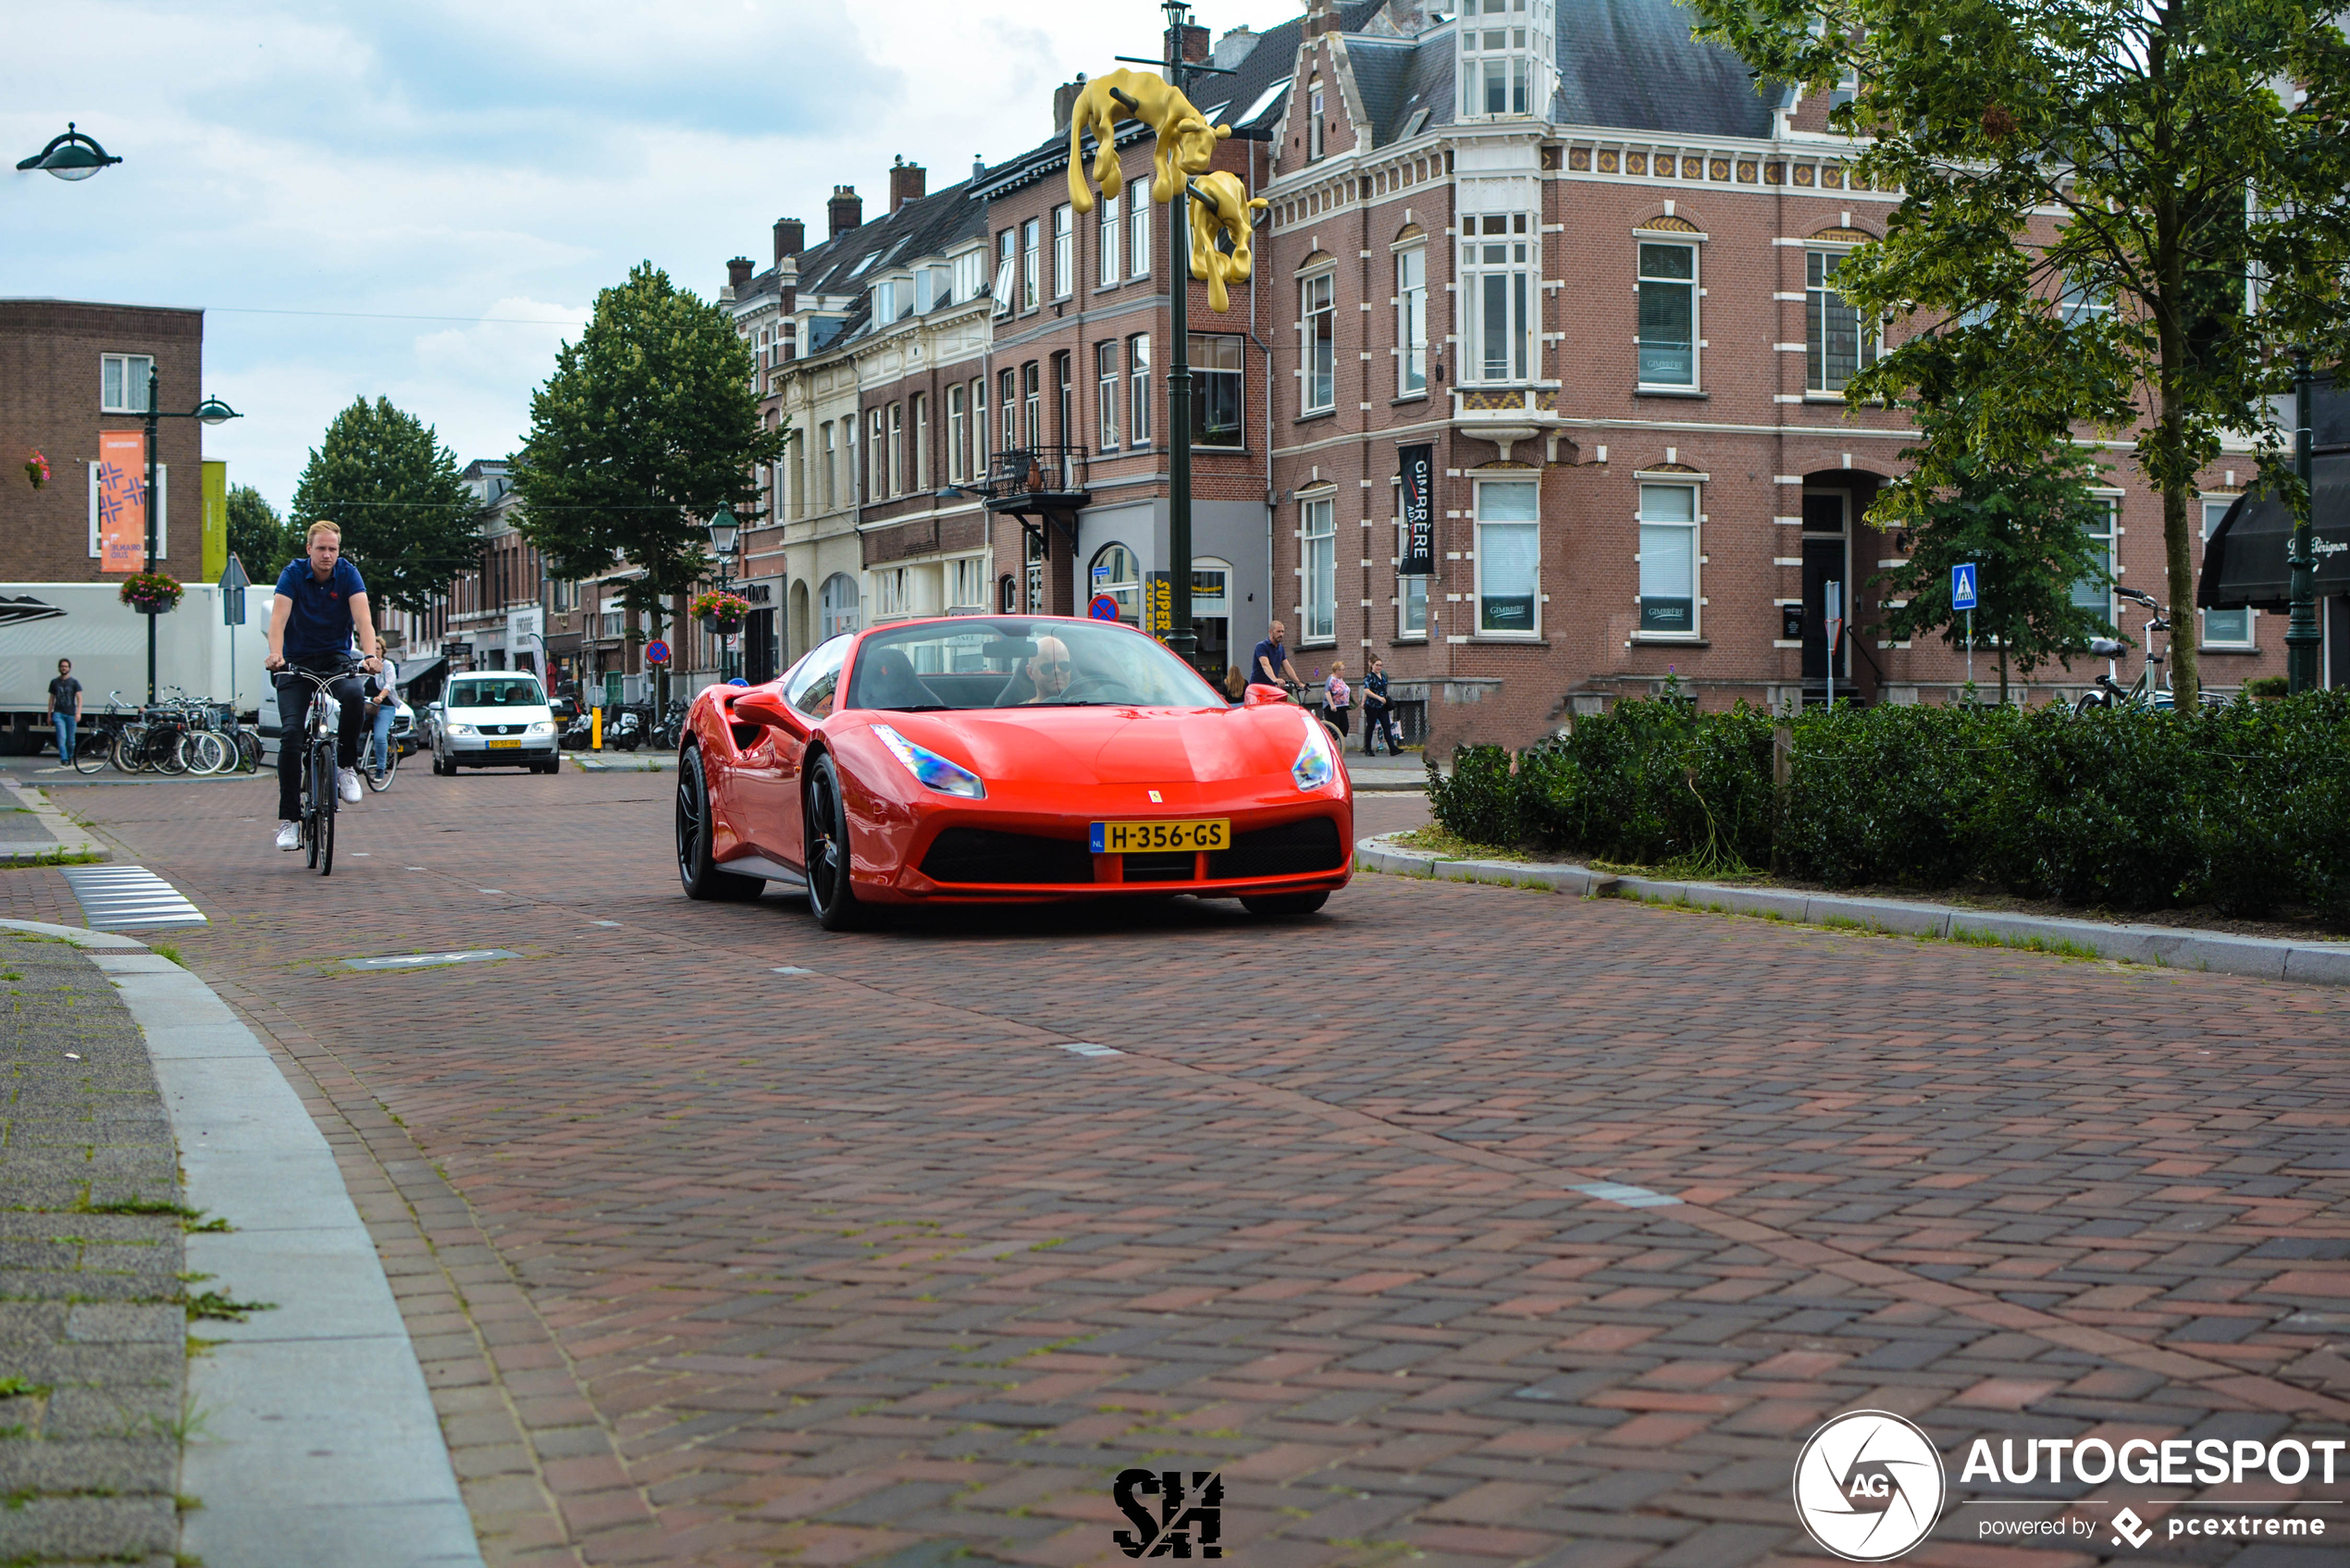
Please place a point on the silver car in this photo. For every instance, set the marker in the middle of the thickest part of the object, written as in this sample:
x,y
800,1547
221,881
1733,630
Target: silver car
x,y
494,719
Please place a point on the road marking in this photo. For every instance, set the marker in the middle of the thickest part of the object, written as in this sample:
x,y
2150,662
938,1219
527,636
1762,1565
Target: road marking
x,y
418,961
787,968
1617,1192
128,898
490,890
604,922
1087,1048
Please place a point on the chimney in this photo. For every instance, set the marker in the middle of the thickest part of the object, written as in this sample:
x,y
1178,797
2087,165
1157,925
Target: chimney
x,y
979,166
791,238
845,211
738,273
906,182
1233,47
1195,43
1065,103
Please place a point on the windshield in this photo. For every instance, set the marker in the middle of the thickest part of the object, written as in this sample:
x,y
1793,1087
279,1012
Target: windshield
x,y
496,691
1017,663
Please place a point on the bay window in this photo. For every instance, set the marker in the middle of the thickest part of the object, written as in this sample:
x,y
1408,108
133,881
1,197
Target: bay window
x,y
1497,289
1668,560
1509,557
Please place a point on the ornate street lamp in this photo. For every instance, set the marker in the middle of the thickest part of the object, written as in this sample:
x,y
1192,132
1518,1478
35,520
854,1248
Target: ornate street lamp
x,y
725,536
71,156
210,411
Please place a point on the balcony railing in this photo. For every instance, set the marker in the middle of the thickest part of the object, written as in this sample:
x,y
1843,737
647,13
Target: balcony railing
x,y
1020,476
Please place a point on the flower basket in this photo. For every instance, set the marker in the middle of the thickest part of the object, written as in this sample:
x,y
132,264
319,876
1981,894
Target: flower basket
x,y
720,612
152,593
36,468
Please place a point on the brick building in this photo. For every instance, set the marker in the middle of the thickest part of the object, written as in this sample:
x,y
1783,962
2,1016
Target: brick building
x,y
67,371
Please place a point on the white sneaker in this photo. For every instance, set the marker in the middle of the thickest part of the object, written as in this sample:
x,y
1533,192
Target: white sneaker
x,y
347,782
289,835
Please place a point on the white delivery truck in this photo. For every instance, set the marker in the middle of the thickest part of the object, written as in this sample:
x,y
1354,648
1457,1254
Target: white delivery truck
x,y
42,623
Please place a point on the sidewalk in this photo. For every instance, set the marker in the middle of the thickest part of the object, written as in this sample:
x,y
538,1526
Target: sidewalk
x,y
33,829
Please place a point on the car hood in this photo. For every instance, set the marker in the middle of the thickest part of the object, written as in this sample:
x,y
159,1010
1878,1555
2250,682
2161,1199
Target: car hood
x,y
1102,746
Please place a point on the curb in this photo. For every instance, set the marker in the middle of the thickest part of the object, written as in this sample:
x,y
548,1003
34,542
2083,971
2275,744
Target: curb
x,y
624,763
320,1444
70,837
2260,957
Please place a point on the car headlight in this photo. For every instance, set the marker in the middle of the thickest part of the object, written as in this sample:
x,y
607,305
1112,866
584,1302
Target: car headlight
x,y
934,771
544,727
1315,766
460,729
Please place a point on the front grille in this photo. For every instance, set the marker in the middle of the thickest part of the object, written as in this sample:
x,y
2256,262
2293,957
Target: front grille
x,y
1309,845
1176,865
984,854
501,729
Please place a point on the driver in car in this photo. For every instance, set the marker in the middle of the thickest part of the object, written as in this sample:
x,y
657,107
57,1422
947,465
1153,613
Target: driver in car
x,y
1049,670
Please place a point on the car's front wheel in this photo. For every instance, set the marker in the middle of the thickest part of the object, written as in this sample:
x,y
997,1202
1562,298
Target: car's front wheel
x,y
701,875
832,897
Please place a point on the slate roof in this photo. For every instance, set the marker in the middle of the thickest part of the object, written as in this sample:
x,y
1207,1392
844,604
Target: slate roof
x,y
924,227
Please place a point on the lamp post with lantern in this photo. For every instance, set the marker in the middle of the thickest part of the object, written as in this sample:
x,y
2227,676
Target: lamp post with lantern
x,y
210,411
725,538
74,156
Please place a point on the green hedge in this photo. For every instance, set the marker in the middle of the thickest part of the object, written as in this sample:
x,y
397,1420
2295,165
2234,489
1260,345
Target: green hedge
x,y
2245,807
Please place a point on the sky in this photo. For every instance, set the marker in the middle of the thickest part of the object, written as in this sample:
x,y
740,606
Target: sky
x,y
419,200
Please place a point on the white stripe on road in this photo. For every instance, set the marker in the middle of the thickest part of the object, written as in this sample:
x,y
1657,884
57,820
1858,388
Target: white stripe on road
x,y
128,898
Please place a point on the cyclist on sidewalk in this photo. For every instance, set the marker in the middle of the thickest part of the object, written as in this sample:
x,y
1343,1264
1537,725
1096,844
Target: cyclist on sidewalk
x,y
321,602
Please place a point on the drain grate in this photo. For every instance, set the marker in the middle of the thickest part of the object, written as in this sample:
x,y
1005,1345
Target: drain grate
x,y
128,898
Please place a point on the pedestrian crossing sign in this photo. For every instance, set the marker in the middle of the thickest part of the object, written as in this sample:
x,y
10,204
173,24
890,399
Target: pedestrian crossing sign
x,y
1962,586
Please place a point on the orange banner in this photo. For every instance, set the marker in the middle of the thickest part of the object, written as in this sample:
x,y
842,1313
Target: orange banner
x,y
122,500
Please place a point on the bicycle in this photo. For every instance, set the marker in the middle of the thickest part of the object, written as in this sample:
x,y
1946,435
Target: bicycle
x,y
379,780
321,726
2152,689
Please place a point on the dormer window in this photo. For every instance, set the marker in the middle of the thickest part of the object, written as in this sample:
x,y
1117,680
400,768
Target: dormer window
x,y
885,296
1507,49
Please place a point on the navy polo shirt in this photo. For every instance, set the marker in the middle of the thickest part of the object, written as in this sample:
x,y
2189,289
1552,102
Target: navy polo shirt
x,y
320,623
1272,653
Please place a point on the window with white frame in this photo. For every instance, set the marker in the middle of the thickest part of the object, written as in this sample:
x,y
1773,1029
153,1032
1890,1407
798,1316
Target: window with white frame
x,y
837,604
1668,315
897,450
1007,269
887,295
1836,348
1109,391
955,404
1313,122
921,441
1109,258
1032,406
877,457
1216,390
1499,51
978,426
970,269
1008,400
1498,290
967,583
1317,554
122,382
926,288
831,485
1668,561
1138,236
1064,251
1138,388
1317,341
892,592
1509,558
2094,592
1032,262
2223,628
1411,320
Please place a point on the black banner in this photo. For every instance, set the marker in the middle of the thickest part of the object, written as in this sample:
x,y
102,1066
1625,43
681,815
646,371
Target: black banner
x,y
1418,469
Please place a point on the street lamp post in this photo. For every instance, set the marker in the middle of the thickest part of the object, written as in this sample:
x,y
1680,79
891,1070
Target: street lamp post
x,y
2302,637
73,155
212,411
1180,638
725,536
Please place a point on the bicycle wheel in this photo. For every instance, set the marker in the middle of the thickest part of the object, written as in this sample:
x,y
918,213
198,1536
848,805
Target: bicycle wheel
x,y
127,750
163,750
322,807
201,752
391,766
248,750
91,749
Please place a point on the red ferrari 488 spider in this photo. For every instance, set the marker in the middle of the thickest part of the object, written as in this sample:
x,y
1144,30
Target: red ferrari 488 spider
x,y
998,758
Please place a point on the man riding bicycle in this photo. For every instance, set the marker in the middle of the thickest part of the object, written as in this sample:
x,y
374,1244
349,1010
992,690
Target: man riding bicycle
x,y
321,602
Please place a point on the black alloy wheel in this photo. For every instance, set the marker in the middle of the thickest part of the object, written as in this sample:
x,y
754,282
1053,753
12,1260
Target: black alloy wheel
x,y
832,898
700,876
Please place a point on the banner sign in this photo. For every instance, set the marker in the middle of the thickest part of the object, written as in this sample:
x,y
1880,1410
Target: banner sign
x,y
122,500
1418,470
216,518
1158,605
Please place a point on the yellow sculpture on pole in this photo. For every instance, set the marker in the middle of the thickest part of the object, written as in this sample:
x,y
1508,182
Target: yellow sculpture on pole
x,y
1183,149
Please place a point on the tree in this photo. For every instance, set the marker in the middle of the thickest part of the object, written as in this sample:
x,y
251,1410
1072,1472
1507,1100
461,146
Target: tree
x,y
258,536
648,425
409,522
1997,480
2155,133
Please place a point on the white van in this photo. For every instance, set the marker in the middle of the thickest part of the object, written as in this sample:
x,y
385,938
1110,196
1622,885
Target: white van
x,y
494,719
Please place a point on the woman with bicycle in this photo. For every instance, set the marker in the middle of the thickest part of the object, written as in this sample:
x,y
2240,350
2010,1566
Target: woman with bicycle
x,y
383,708
321,603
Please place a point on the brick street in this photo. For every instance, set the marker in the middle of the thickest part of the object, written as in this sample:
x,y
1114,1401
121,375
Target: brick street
x,y
711,1263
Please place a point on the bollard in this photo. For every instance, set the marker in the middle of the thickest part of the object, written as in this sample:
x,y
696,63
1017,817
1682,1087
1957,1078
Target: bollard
x,y
596,730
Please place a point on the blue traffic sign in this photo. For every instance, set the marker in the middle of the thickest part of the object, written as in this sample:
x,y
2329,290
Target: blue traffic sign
x,y
656,652
1962,586
1104,608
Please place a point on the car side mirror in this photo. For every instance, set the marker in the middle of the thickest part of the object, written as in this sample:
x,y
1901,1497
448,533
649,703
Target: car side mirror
x,y
1261,696
769,708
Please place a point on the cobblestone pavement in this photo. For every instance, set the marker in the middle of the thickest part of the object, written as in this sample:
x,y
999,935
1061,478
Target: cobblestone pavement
x,y
727,1240
92,1326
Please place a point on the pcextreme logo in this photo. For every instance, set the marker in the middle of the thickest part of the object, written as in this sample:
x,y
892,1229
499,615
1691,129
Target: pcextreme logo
x,y
1869,1486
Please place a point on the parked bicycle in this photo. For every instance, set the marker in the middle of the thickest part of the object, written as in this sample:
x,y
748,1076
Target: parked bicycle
x,y
2152,689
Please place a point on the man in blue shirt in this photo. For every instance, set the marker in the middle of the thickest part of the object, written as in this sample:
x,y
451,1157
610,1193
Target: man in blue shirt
x,y
1269,663
321,603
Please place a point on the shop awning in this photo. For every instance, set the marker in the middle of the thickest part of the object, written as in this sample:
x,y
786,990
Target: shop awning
x,y
2244,561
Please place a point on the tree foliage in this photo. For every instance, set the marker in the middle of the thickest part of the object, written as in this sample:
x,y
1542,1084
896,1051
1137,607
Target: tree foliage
x,y
258,536
648,425
409,522
2118,167
1997,480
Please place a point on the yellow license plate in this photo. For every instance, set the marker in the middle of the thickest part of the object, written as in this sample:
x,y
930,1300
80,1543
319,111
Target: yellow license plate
x,y
1144,838
495,744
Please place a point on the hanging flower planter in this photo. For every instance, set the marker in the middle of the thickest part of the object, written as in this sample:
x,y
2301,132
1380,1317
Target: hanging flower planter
x,y
36,468
152,593
720,612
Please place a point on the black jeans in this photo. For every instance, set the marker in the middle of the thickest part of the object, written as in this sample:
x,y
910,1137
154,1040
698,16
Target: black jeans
x,y
294,708
1337,716
1376,722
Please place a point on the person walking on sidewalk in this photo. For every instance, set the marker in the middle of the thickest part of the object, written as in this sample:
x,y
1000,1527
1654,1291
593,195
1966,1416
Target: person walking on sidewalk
x,y
65,708
1379,713
1336,696
321,603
